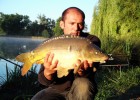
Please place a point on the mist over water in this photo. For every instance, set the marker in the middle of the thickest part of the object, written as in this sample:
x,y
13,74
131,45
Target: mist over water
x,y
17,45
10,47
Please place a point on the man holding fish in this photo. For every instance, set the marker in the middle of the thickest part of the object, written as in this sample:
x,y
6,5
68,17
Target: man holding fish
x,y
78,83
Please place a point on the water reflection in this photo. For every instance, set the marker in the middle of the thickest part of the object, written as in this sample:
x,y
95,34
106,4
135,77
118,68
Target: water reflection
x,y
10,47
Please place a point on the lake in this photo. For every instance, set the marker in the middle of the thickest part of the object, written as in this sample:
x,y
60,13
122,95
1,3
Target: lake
x,y
10,47
10,66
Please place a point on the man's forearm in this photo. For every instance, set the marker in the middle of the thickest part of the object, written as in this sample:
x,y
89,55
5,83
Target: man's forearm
x,y
49,77
42,78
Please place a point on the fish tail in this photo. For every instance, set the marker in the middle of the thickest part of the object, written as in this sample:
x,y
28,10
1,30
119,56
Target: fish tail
x,y
25,58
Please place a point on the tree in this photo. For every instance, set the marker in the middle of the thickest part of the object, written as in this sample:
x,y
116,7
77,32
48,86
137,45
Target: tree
x,y
116,23
32,29
14,24
57,30
49,27
46,24
1,18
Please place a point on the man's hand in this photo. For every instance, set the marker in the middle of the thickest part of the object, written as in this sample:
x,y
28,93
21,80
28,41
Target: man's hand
x,y
49,67
83,67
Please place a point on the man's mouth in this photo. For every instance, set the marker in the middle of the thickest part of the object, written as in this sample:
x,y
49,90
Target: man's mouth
x,y
76,34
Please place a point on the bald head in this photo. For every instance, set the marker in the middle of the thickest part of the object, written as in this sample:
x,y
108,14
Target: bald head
x,y
73,21
72,10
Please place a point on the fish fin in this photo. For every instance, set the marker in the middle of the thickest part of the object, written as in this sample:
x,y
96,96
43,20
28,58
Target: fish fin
x,y
76,69
26,59
40,61
26,67
94,69
23,57
62,72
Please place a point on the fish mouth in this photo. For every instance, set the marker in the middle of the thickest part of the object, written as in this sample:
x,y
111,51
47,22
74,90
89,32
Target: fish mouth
x,y
102,62
104,59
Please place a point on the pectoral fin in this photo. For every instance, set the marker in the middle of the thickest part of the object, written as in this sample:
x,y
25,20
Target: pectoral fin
x,y
41,61
62,72
76,68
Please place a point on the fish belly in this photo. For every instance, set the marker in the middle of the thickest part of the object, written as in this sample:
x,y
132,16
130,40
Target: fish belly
x,y
66,61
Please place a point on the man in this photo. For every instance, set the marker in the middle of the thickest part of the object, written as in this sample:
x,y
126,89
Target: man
x,y
79,86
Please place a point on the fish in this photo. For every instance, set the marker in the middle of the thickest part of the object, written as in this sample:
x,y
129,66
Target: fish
x,y
67,50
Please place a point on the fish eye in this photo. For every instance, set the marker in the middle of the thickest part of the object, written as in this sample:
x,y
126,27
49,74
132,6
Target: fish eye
x,y
96,52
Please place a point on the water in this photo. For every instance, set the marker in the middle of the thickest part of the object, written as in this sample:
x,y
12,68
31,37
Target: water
x,y
10,47
11,67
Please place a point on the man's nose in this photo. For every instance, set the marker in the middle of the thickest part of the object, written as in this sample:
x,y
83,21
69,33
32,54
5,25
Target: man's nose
x,y
76,27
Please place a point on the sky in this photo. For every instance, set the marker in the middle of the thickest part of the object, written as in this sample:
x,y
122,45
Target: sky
x,y
50,8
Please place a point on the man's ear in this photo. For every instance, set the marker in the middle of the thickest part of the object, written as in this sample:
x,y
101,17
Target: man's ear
x,y
62,24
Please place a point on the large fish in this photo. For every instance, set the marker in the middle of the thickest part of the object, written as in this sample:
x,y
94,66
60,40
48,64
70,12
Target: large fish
x,y
67,50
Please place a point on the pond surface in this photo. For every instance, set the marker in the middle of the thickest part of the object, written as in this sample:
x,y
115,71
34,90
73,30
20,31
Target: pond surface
x,y
10,66
10,47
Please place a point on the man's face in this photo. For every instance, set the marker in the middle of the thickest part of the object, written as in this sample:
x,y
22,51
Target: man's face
x,y
73,23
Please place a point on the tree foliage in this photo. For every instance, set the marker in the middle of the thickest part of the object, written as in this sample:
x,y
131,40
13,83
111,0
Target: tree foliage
x,y
57,30
46,24
116,19
15,24
116,23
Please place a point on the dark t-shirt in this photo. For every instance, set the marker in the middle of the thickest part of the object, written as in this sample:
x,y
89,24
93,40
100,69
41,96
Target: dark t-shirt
x,y
64,83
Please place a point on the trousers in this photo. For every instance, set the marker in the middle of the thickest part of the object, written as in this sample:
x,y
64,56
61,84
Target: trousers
x,y
81,89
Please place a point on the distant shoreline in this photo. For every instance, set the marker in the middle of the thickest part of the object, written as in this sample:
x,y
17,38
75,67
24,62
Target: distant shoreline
x,y
18,36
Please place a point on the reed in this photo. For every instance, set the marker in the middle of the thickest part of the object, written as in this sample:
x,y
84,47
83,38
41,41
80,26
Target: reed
x,y
17,86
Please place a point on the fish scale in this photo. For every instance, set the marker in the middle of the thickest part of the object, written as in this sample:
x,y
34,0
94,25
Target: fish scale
x,y
67,50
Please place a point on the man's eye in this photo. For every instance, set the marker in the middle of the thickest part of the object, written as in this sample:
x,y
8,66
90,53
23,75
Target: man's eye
x,y
81,24
72,23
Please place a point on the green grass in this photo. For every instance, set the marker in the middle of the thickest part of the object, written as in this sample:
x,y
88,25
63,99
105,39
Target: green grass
x,y
113,84
118,84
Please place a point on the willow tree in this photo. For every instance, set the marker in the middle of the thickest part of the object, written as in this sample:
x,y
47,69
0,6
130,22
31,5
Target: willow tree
x,y
116,23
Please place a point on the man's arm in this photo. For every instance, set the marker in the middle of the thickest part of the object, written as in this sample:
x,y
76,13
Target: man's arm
x,y
47,70
41,78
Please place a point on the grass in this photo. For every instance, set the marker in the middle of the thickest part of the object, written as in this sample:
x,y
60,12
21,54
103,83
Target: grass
x,y
113,84
116,84
17,87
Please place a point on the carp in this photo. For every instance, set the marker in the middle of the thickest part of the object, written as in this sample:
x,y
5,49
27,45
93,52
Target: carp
x,y
66,49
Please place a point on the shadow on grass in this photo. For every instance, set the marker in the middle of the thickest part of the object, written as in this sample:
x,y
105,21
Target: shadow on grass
x,y
131,94
119,84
